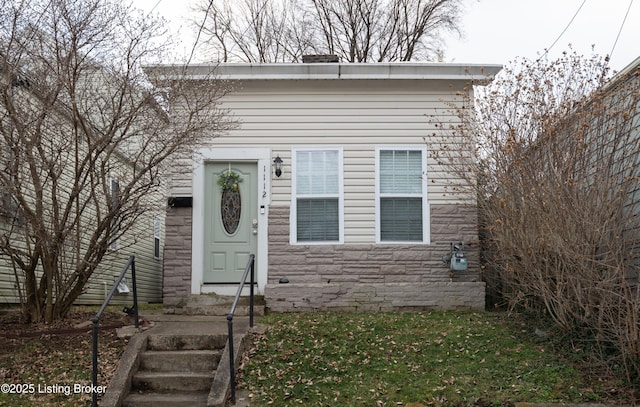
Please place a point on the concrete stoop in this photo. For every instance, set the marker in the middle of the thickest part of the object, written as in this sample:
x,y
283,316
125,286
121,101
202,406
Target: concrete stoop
x,y
217,305
181,361
176,369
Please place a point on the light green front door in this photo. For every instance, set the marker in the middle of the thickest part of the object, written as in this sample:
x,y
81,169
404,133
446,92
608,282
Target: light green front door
x,y
231,220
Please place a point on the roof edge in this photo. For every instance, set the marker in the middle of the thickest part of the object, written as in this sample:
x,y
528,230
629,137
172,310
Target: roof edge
x,y
327,71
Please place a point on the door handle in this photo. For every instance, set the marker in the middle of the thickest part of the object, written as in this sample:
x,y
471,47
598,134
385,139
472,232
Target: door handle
x,y
254,223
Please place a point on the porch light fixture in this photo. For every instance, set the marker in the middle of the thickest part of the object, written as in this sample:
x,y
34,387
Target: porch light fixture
x,y
277,163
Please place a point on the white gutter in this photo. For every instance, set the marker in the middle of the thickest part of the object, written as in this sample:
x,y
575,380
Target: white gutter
x,y
326,71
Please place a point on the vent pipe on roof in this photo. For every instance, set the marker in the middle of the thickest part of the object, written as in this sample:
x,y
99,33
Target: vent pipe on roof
x,y
319,59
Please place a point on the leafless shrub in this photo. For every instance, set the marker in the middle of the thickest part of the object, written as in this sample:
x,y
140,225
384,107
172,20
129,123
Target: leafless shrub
x,y
556,176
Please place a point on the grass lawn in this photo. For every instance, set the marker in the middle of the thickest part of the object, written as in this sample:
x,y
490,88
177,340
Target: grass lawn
x,y
395,359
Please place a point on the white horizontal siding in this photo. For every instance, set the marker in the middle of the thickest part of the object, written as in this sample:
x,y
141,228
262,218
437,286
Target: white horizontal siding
x,y
355,115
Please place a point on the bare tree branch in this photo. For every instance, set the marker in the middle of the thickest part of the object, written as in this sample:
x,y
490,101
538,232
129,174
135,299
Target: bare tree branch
x,y
77,112
556,173
355,30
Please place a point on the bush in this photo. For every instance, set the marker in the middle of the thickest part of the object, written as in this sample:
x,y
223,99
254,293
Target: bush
x,y
556,179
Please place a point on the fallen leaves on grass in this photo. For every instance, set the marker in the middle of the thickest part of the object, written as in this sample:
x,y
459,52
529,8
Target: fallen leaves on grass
x,y
437,359
53,358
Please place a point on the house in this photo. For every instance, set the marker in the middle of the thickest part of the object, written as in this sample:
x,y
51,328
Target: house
x,y
328,179
59,187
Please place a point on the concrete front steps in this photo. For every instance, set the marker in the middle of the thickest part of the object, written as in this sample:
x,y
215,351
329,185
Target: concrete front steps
x,y
176,370
217,305
183,359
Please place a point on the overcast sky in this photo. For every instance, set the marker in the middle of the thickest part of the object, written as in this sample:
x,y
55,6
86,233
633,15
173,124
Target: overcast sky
x,y
497,31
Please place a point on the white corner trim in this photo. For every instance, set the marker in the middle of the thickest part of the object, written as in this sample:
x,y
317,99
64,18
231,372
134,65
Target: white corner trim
x,y
261,156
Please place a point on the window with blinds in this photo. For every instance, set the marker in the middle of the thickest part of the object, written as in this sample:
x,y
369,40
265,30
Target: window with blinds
x,y
157,231
114,203
317,195
401,190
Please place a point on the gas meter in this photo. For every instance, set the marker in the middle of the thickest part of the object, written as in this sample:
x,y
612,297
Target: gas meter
x,y
456,258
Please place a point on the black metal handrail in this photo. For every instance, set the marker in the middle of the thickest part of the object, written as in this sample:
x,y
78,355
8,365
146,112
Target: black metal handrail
x,y
232,369
94,374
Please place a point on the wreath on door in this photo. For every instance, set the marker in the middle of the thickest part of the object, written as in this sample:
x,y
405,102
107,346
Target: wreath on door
x,y
229,180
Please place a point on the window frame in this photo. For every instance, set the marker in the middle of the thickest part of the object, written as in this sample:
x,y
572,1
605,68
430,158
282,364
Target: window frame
x,y
157,233
293,216
426,222
114,244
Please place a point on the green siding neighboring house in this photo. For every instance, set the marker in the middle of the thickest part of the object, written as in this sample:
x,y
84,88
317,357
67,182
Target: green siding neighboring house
x,y
145,240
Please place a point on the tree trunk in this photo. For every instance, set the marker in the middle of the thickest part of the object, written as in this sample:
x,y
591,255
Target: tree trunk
x,y
31,309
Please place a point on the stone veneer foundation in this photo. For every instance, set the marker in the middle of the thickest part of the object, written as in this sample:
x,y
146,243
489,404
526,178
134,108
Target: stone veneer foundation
x,y
348,277
176,285
436,295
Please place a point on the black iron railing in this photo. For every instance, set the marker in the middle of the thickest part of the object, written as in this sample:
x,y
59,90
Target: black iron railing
x,y
232,368
94,374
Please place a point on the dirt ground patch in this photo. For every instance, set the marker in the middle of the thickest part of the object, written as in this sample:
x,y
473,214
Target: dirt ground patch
x,y
50,364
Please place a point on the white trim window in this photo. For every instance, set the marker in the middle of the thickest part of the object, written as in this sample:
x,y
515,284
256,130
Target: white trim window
x,y
402,210
114,202
157,230
317,201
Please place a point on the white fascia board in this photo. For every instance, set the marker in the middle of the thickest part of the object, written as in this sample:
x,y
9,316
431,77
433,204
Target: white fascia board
x,y
330,71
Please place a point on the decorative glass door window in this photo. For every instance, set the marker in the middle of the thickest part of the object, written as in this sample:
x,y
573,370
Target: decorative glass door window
x,y
230,200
